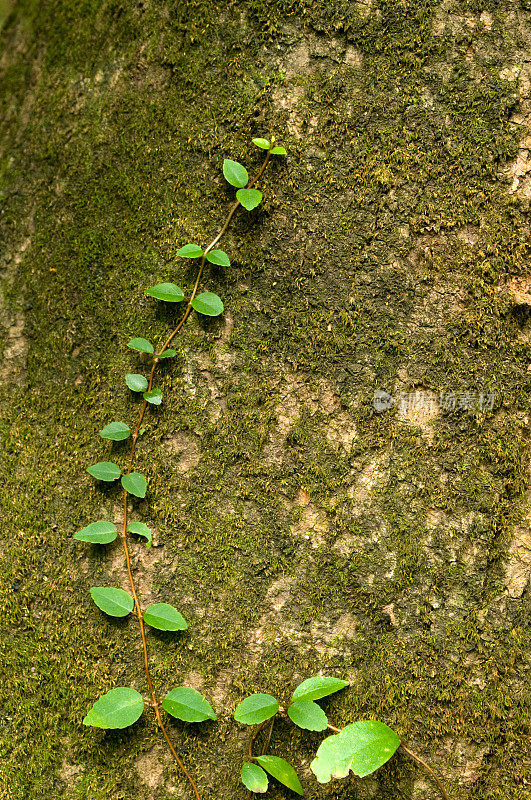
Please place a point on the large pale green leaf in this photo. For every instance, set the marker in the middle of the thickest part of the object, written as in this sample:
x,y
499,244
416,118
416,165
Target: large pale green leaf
x,y
98,533
135,483
137,383
141,529
117,431
187,704
141,344
235,173
254,778
164,617
168,292
218,257
104,471
282,771
208,303
320,686
249,198
190,251
119,708
308,715
256,709
361,747
114,602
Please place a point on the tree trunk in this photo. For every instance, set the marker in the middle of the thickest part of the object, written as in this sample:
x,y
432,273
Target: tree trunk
x,y
337,474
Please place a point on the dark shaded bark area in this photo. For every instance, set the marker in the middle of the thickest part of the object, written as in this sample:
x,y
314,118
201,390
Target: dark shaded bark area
x,y
297,528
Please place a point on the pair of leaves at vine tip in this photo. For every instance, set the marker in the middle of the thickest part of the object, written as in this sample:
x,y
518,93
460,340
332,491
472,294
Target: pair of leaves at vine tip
x,y
303,710
121,707
132,482
254,776
264,144
119,603
103,532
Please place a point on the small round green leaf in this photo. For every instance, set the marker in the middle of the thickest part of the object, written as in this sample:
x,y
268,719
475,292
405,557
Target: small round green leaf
x,y
263,143
141,530
114,602
187,704
278,151
320,686
249,198
167,354
361,747
235,173
135,483
137,383
254,778
98,533
168,292
190,251
164,617
104,471
256,709
154,397
208,303
308,715
141,344
117,431
119,708
218,257
282,771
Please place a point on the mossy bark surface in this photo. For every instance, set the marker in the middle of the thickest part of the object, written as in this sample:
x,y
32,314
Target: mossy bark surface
x,y
297,528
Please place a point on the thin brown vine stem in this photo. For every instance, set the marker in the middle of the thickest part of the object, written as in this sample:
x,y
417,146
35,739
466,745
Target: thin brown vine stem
x,y
332,728
254,736
154,698
420,761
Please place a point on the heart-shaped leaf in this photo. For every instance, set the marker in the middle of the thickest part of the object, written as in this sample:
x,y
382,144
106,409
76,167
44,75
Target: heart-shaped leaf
x,y
361,747
263,143
249,198
141,344
137,383
98,533
164,617
104,471
320,686
117,431
135,483
154,397
187,704
208,303
141,530
218,257
168,292
282,771
308,715
254,778
119,708
256,709
235,173
114,602
190,251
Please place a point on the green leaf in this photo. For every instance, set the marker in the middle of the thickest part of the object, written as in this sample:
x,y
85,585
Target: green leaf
x,y
320,686
218,257
141,344
256,709
114,602
168,292
361,747
141,530
208,303
167,354
263,143
97,533
187,704
190,251
119,708
117,431
154,397
137,383
278,151
135,483
254,778
308,715
235,173
249,198
164,617
282,771
104,471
